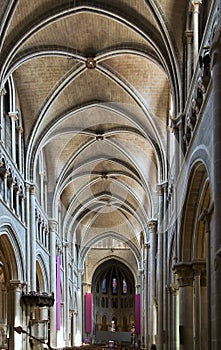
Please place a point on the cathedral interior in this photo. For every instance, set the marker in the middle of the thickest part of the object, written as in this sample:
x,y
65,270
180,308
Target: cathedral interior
x,y
110,174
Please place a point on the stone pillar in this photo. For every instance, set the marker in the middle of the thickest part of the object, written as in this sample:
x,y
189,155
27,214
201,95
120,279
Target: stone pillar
x,y
145,298
66,294
17,206
185,279
14,117
151,279
178,130
79,323
216,164
28,236
198,268
205,217
11,184
14,314
173,341
42,189
20,132
22,203
3,92
5,186
196,6
32,240
52,243
165,271
160,270
189,42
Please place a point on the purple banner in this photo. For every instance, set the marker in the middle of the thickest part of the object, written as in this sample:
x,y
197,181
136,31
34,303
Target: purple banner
x,y
58,294
137,313
88,313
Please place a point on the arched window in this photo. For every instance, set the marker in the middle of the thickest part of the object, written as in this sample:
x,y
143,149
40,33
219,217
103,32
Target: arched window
x,y
124,286
114,285
104,286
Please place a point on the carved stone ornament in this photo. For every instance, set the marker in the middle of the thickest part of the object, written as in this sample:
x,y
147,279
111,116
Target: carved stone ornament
x,y
38,299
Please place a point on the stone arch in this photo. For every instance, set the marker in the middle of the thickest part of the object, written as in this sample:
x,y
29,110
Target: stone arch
x,y
119,303
11,254
12,277
192,233
193,259
41,275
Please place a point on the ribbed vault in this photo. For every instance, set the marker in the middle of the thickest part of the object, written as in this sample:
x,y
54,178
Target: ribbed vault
x,y
96,87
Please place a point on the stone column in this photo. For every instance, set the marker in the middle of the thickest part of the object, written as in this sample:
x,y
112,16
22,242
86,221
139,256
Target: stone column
x,y
196,6
173,341
3,92
16,205
79,323
198,268
28,237
205,217
14,117
165,271
216,164
151,279
20,132
185,279
14,314
160,270
42,189
22,203
5,186
52,244
11,184
189,41
178,130
66,294
32,240
145,298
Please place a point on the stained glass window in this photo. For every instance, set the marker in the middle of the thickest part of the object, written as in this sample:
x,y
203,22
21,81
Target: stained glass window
x,y
124,286
114,285
104,286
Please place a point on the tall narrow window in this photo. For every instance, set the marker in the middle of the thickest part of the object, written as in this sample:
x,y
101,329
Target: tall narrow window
x,y
124,286
104,286
114,285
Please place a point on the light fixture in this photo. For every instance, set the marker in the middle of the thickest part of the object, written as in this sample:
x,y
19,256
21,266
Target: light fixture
x,y
20,330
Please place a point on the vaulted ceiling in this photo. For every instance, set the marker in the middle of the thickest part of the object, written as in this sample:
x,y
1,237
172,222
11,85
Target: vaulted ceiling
x,y
96,82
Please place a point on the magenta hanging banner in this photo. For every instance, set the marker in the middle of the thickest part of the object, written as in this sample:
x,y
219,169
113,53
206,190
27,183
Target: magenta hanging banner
x,y
137,313
88,313
58,294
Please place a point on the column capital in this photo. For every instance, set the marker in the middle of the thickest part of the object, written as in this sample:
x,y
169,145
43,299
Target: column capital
x,y
185,273
30,188
3,91
198,267
147,245
160,190
14,284
52,224
177,122
20,129
162,187
196,5
189,36
4,172
152,225
13,115
66,245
